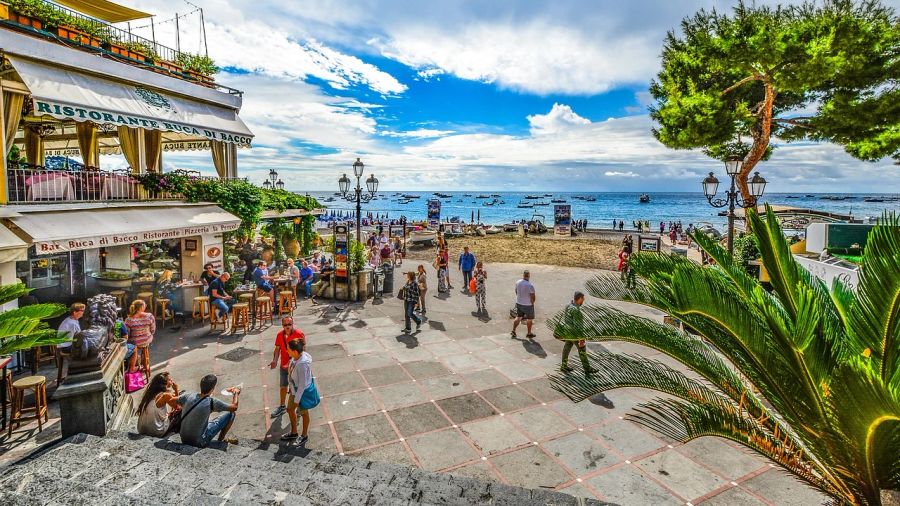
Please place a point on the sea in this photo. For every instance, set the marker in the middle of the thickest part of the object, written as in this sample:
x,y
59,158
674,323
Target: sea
x,y
663,207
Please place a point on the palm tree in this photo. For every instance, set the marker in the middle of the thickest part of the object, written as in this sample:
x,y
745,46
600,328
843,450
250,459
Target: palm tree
x,y
25,327
805,375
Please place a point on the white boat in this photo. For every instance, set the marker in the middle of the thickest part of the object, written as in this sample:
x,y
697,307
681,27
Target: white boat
x,y
492,230
422,236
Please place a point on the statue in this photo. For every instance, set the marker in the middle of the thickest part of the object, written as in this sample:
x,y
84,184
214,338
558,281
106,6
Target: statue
x,y
91,347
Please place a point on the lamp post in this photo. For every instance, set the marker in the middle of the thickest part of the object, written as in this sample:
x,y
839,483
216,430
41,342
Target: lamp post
x,y
273,182
733,197
356,194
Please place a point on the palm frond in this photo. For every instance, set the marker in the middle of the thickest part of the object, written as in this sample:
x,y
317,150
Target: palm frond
x,y
610,286
37,311
684,421
9,293
875,315
736,272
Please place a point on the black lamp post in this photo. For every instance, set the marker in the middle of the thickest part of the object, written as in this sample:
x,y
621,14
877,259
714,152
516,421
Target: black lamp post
x,y
358,196
273,182
733,197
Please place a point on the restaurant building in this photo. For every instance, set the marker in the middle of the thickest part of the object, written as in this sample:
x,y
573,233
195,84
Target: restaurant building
x,y
76,84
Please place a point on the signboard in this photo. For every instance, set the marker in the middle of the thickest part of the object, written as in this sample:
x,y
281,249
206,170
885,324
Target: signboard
x,y
212,251
91,242
341,256
434,213
648,243
562,219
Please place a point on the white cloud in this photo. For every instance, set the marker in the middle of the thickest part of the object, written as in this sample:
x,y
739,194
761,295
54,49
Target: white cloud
x,y
421,133
559,118
616,173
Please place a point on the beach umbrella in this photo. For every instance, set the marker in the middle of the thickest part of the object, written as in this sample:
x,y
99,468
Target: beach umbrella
x,y
479,216
472,219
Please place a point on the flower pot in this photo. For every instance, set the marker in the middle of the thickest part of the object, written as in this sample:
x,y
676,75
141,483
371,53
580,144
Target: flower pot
x,y
25,20
78,36
267,255
291,247
167,65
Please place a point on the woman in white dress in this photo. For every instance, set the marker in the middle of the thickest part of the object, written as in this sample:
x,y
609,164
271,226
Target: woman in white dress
x,y
157,406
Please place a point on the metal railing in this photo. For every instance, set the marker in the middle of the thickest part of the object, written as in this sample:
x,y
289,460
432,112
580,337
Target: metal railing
x,y
31,184
105,38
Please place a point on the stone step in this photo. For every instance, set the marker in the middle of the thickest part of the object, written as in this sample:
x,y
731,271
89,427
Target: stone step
x,y
126,468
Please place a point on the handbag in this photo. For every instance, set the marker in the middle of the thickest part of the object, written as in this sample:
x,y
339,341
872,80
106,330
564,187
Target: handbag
x,y
472,285
402,293
310,397
134,381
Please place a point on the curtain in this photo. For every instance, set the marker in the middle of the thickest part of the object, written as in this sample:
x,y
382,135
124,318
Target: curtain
x,y
12,114
88,143
128,140
220,157
34,147
153,148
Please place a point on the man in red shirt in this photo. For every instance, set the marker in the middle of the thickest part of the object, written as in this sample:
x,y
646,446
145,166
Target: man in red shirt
x,y
287,334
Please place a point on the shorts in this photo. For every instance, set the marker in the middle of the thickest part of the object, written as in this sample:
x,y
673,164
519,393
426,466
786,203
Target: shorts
x,y
129,350
523,311
214,427
283,378
266,287
292,405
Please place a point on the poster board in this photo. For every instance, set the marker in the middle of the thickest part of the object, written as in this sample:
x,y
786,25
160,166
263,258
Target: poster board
x,y
341,253
434,213
562,219
651,243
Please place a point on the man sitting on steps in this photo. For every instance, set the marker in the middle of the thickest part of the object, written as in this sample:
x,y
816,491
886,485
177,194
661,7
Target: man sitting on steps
x,y
196,427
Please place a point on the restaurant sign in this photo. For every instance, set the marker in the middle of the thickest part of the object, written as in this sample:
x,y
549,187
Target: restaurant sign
x,y
85,113
61,245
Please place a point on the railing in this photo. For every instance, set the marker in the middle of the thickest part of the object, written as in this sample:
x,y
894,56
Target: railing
x,y
95,35
31,184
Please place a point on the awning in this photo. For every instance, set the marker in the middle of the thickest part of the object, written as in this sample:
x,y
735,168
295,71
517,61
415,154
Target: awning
x,y
104,10
11,247
70,230
71,95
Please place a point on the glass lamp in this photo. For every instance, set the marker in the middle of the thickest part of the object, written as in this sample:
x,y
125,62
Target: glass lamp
x,y
733,165
710,185
344,184
372,184
757,185
358,167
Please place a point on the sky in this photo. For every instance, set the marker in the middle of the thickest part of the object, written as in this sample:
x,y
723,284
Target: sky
x,y
501,95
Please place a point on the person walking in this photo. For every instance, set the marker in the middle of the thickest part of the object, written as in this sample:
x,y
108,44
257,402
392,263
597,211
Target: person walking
x,y
280,354
141,328
573,318
480,281
157,407
525,298
422,280
466,265
410,295
441,264
300,378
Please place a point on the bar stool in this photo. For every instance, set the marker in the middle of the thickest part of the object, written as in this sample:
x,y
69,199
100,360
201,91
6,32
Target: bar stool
x,y
264,310
241,317
17,413
147,297
246,297
215,321
162,307
200,308
121,297
286,303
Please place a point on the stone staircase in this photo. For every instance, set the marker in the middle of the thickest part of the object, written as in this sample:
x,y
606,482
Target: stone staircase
x,y
125,468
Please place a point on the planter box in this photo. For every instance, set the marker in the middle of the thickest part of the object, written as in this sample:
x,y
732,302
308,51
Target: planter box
x,y
78,36
24,20
202,78
167,65
127,53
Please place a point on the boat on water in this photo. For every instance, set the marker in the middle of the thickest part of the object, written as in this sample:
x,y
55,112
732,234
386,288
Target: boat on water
x,y
483,197
495,195
541,203
532,197
644,198
558,201
548,194
442,195
411,196
590,199
873,199
525,205
329,199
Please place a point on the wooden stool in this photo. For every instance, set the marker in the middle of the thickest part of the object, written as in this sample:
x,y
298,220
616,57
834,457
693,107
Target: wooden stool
x,y
246,297
17,413
120,296
200,307
264,310
147,297
286,303
162,307
241,317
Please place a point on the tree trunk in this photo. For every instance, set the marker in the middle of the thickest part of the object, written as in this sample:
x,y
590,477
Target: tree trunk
x,y
761,137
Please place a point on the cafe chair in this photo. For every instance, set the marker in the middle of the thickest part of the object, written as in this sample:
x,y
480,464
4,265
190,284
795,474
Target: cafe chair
x,y
19,412
215,321
62,354
240,318
162,308
147,297
121,297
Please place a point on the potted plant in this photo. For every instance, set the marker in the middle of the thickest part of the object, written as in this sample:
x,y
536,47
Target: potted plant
x,y
27,13
199,67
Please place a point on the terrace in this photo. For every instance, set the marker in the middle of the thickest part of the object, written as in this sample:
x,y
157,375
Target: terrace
x,y
74,29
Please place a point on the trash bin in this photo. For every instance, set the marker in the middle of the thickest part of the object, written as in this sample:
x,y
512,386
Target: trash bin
x,y
388,284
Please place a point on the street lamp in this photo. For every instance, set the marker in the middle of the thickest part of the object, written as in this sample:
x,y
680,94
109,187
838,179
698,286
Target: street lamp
x,y
273,182
733,197
357,195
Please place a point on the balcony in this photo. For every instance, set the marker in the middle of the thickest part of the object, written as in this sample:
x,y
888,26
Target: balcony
x,y
75,30
32,184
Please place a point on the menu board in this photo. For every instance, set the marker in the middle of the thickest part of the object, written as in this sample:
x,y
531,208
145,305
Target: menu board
x,y
434,213
341,258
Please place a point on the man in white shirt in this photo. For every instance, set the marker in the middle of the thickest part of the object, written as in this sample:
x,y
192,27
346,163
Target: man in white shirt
x,y
70,327
525,298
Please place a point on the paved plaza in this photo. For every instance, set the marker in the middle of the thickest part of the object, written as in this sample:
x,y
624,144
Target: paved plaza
x,y
462,396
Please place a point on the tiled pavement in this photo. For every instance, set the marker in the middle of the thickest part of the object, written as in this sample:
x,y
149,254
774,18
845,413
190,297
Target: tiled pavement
x,y
462,396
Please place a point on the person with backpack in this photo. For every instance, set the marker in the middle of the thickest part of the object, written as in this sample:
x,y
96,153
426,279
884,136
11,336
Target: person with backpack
x,y
196,427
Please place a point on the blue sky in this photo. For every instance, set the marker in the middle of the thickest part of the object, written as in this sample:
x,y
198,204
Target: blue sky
x,y
504,95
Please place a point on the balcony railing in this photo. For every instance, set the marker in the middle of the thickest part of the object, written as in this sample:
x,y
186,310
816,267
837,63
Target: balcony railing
x,y
32,184
93,35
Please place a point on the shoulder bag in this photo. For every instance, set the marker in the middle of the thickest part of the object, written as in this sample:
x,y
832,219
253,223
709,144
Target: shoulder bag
x,y
175,426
